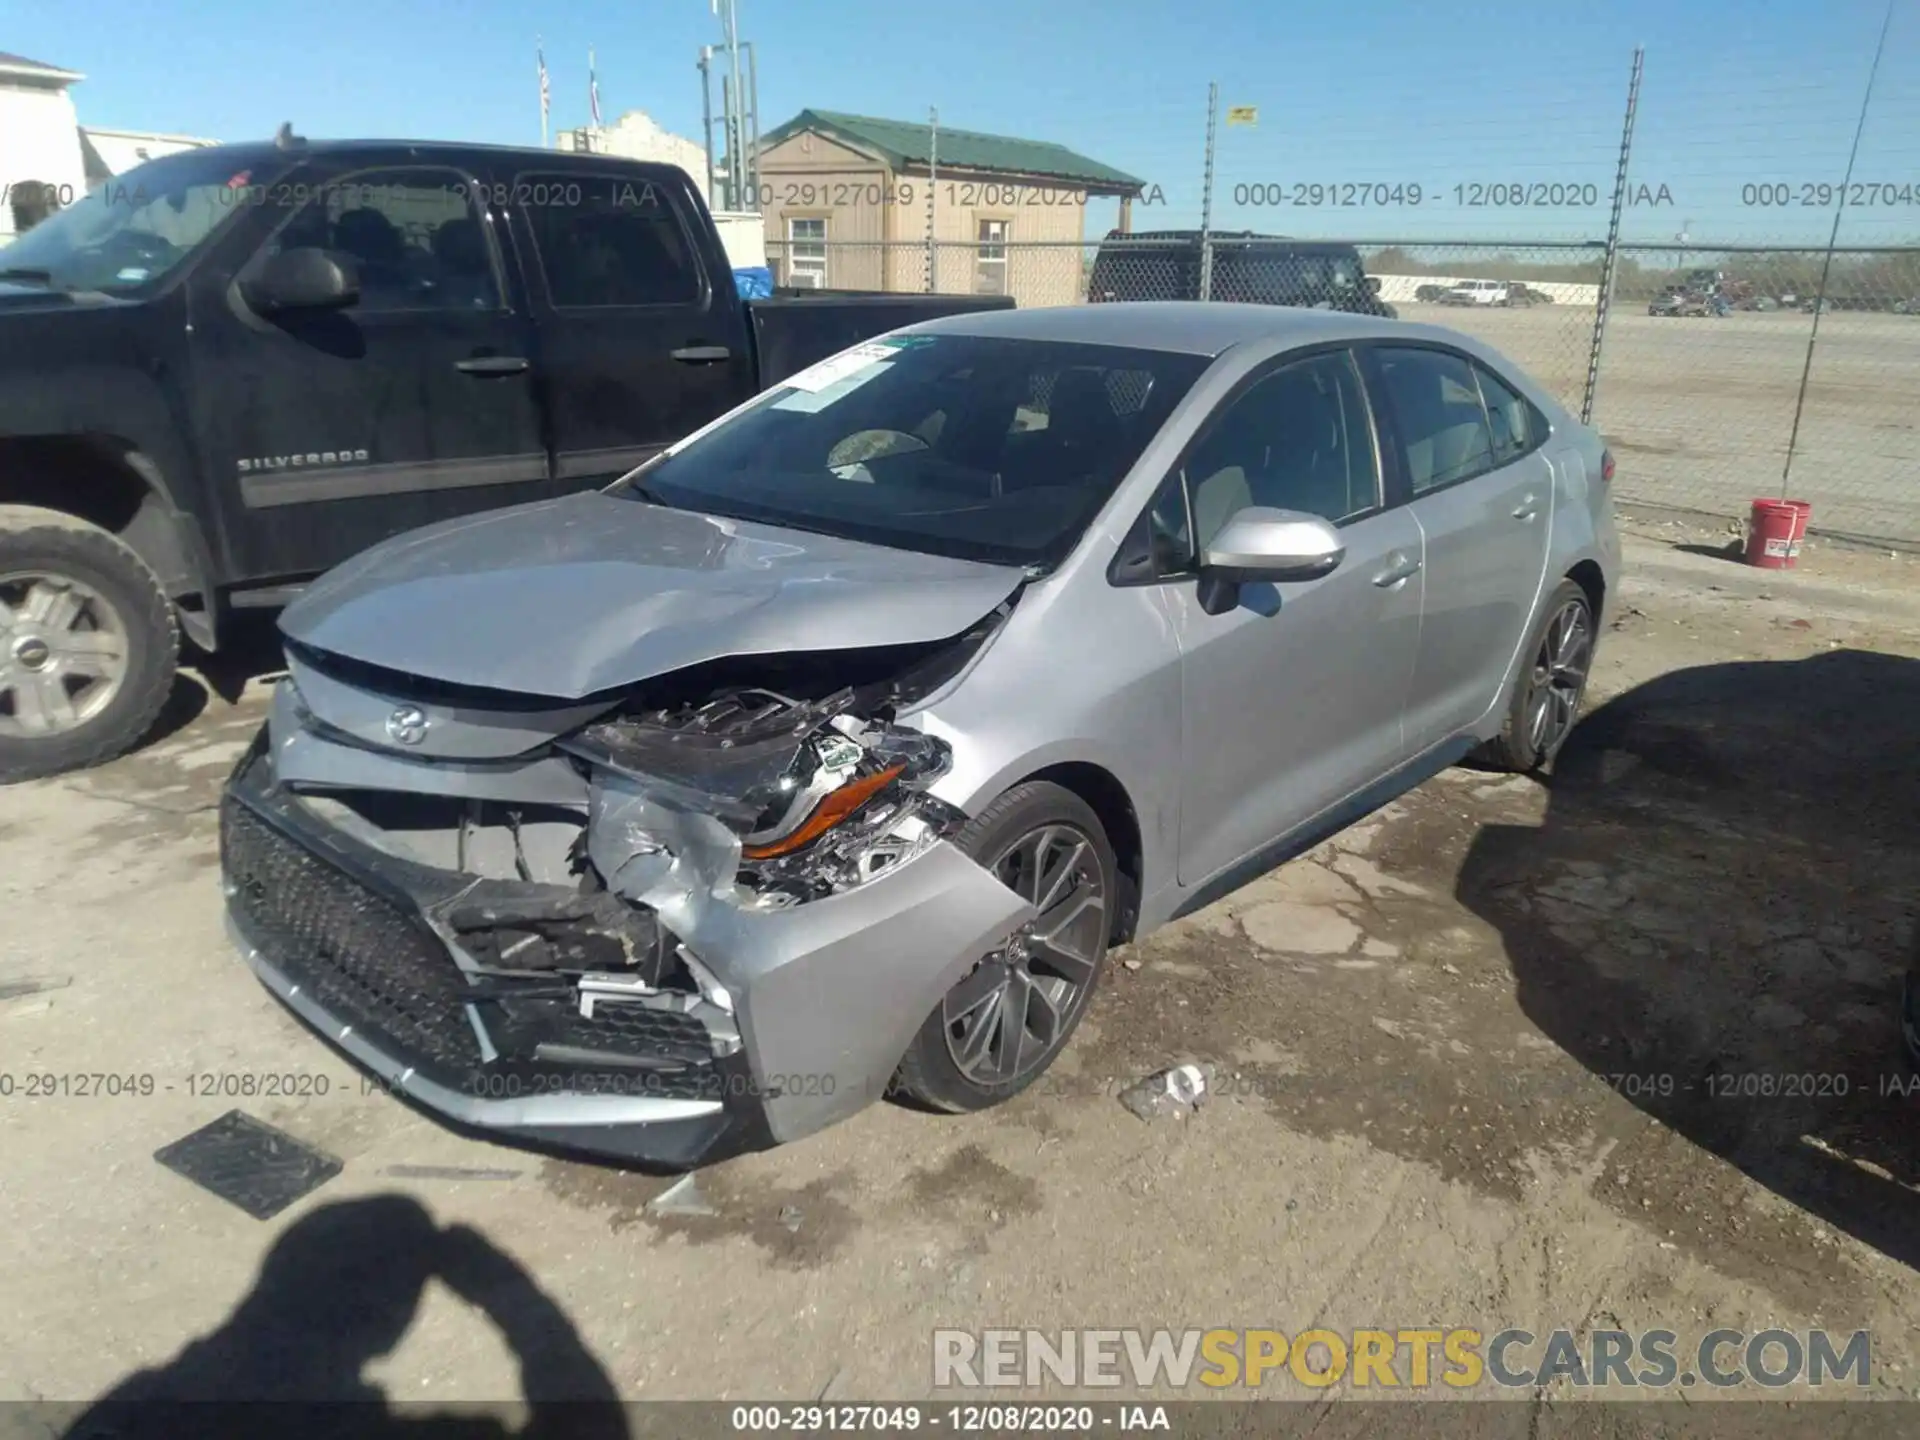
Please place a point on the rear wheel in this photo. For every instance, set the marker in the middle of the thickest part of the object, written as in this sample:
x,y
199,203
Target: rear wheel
x,y
1547,700
1009,1017
88,644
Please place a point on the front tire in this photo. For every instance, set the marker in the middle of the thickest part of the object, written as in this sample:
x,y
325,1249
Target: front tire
x,y
1546,701
88,644
1008,1018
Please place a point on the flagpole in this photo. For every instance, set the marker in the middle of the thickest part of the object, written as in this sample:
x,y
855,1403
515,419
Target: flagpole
x,y
540,50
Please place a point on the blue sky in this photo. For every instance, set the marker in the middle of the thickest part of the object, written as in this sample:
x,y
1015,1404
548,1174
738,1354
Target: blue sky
x,y
1359,92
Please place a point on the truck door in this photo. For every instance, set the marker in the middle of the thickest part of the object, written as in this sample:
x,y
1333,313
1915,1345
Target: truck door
x,y
330,430
641,334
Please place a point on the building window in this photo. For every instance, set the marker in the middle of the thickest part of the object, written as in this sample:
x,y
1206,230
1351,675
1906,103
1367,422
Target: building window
x,y
990,265
807,253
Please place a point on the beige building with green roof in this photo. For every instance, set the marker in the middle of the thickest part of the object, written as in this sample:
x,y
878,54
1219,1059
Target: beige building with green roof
x,y
846,204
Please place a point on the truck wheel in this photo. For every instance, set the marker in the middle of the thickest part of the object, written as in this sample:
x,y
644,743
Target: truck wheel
x,y
88,644
1007,1019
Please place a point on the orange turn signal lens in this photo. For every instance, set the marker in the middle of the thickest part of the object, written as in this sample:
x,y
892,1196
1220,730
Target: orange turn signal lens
x,y
827,814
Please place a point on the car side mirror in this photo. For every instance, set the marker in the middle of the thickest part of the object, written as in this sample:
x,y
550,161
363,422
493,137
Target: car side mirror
x,y
306,278
1273,545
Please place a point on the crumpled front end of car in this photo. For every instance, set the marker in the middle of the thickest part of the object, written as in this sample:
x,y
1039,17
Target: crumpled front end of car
x,y
705,915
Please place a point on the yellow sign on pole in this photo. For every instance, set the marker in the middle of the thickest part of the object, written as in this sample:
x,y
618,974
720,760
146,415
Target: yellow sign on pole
x,y
1243,114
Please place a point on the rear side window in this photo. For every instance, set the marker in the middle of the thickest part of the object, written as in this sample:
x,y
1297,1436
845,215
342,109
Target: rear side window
x,y
1510,418
607,241
1443,425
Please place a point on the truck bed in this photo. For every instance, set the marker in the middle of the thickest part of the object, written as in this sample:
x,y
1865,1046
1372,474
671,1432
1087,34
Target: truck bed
x,y
795,327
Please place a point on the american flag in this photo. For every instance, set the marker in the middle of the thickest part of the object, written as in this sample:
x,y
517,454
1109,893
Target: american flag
x,y
593,91
546,97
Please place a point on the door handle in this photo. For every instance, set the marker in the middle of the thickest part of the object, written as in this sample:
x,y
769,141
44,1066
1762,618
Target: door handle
x,y
1400,567
702,354
1526,509
488,365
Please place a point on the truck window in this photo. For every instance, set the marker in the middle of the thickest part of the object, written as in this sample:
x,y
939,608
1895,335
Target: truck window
x,y
135,228
608,241
413,234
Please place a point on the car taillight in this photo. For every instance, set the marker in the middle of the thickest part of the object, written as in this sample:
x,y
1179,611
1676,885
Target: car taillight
x,y
1606,467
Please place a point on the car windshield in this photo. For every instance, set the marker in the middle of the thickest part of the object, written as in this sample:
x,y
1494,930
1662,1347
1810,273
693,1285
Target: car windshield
x,y
978,448
133,228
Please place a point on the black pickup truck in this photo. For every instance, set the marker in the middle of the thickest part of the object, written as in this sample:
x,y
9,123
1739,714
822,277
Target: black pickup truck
x,y
229,369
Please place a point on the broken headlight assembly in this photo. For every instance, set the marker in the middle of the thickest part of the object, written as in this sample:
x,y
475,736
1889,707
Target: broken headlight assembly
x,y
819,799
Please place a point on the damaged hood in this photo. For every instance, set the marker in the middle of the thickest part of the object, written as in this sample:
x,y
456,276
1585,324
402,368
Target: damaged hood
x,y
572,597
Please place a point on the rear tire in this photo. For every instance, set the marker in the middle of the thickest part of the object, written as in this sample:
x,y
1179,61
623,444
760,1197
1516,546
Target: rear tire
x,y
88,644
1551,686
1038,1016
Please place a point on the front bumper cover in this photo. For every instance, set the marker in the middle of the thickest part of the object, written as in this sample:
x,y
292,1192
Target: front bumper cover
x,y
824,996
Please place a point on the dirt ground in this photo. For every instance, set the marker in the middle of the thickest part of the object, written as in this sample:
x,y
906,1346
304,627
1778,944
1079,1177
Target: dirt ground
x,y
1699,411
1510,1053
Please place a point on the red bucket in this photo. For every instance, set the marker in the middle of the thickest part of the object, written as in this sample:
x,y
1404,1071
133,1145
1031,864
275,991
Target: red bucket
x,y
1775,531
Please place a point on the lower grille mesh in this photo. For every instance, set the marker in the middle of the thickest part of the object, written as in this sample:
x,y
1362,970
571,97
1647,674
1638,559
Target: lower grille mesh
x,y
360,957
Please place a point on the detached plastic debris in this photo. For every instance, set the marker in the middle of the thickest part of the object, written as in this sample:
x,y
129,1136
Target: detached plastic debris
x,y
683,1197
1175,1092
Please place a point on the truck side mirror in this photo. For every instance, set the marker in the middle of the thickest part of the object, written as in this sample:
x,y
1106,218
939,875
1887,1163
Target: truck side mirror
x,y
306,278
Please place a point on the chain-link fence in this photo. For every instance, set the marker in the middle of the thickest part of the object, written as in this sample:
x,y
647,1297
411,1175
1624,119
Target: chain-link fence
x,y
1733,374
1718,383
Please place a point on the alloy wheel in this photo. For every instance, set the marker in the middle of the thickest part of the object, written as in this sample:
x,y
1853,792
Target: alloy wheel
x,y
63,654
1012,1012
1559,677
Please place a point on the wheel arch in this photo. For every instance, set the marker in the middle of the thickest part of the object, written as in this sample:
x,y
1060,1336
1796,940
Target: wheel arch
x,y
108,481
1588,575
1108,798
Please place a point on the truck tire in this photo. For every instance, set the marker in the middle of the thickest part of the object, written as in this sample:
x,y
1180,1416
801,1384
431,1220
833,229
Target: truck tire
x,y
88,644
1037,838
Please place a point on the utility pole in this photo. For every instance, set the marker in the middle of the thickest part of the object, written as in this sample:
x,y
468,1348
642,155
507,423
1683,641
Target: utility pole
x,y
706,113
933,205
1206,198
736,130
1610,263
1833,239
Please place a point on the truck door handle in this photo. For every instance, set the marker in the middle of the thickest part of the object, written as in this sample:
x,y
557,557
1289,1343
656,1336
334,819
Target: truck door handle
x,y
702,354
1400,567
485,365
1526,509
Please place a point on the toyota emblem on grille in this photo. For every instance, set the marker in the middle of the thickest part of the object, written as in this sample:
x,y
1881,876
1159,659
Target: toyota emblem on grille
x,y
407,725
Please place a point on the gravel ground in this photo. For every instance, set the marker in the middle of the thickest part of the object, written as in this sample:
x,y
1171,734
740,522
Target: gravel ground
x,y
1608,1050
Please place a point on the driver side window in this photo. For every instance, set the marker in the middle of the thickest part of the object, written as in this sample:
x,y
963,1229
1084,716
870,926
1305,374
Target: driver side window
x,y
1298,439
413,235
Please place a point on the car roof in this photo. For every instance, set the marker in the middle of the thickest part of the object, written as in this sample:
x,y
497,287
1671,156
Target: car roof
x,y
255,152
1190,327
1120,239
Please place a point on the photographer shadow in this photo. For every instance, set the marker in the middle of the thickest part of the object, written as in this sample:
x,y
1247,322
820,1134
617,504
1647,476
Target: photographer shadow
x,y
1716,915
337,1291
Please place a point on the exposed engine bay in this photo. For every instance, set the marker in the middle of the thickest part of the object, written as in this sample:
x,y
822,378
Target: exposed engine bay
x,y
591,878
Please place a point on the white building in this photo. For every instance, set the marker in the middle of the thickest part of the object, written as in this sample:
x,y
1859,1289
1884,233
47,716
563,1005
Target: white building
x,y
636,136
117,151
39,139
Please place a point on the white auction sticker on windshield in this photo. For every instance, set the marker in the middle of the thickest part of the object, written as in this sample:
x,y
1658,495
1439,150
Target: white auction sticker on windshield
x,y
812,402
844,366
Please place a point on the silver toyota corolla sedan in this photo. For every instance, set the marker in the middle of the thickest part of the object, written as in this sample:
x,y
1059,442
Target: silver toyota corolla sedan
x,y
826,755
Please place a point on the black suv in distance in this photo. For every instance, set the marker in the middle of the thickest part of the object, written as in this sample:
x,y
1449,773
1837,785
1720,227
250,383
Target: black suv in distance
x,y
1249,268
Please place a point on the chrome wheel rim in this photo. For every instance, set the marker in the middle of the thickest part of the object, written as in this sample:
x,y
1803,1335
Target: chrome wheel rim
x,y
1012,1012
1559,677
63,654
